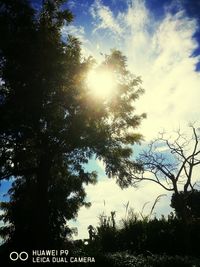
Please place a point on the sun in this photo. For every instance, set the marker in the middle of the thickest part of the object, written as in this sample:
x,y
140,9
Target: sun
x,y
101,83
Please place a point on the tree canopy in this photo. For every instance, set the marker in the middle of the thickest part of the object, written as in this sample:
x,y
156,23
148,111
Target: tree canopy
x,y
51,124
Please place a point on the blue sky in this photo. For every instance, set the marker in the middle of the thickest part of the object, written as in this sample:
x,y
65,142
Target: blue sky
x,y
161,40
158,9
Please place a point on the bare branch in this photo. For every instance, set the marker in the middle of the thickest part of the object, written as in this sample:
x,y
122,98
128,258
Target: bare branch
x,y
174,165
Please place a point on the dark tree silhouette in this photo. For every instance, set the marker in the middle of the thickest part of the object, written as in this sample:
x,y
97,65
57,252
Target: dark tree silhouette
x,y
191,200
51,125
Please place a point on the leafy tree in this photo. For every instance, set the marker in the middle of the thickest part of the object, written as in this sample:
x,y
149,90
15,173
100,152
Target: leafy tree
x,y
191,201
51,125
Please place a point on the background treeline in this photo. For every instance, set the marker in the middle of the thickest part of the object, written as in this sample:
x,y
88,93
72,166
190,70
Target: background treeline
x,y
163,235
140,242
143,240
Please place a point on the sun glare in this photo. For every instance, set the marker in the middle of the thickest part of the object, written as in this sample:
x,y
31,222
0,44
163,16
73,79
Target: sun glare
x,y
101,83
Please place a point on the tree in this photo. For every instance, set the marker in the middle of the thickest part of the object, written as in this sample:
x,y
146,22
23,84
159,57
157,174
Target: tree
x,y
51,125
191,200
171,164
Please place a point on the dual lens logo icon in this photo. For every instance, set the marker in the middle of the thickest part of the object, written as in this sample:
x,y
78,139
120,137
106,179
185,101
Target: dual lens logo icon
x,y
14,256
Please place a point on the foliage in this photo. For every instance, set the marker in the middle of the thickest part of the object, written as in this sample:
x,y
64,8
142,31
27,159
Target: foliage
x,y
149,236
191,200
127,260
51,125
107,234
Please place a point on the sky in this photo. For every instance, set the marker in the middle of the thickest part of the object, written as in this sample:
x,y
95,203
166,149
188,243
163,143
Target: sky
x,y
161,40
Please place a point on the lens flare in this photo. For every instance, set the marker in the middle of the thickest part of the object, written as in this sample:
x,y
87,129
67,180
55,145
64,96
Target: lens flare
x,y
101,83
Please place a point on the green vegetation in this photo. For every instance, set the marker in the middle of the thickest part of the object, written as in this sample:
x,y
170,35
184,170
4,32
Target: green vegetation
x,y
51,124
145,235
145,241
127,260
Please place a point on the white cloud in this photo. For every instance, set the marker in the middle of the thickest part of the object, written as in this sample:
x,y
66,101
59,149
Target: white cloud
x,y
159,51
137,16
104,17
164,62
115,199
77,31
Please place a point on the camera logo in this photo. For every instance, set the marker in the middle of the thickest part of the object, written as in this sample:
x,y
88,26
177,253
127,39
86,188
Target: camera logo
x,y
14,256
